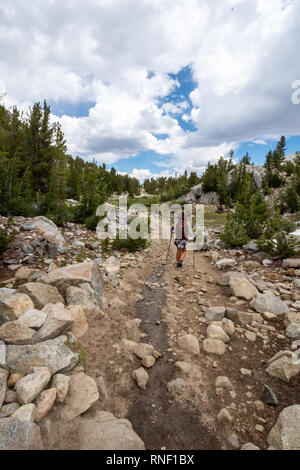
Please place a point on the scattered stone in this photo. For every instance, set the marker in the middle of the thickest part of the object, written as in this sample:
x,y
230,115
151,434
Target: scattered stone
x,y
283,369
214,346
223,382
15,333
249,446
105,432
215,313
190,343
141,377
61,383
41,294
269,396
176,385
246,372
215,331
233,440
13,379
25,413
285,435
14,305
242,288
33,319
228,326
268,302
83,393
250,336
19,435
148,361
225,263
143,349
30,386
292,331
224,416
291,263
45,403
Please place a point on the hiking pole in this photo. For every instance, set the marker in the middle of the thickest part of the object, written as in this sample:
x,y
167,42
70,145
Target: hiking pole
x,y
169,247
194,255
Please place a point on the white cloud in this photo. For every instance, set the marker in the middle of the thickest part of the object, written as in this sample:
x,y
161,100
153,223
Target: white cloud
x,y
242,53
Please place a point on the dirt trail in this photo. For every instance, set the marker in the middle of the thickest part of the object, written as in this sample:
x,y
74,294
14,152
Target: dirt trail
x,y
166,414
159,420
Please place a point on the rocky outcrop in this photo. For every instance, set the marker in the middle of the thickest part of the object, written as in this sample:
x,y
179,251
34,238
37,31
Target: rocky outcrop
x,y
197,195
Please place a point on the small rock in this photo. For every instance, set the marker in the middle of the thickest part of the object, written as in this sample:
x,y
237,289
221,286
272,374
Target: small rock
x,y
214,346
249,446
224,416
215,313
31,385
148,361
143,349
141,377
190,343
44,403
15,333
15,305
25,413
61,383
269,396
233,441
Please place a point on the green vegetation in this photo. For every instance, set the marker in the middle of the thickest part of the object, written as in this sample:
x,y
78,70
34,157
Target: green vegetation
x,y
7,236
77,347
169,189
38,176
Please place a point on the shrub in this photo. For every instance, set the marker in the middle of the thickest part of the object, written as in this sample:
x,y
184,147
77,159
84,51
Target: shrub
x,y
281,245
129,244
7,236
92,221
235,233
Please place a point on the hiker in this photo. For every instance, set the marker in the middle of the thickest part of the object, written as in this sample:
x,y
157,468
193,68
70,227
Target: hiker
x,y
182,232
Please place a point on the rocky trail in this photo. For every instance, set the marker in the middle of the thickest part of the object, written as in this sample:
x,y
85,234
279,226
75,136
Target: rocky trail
x,y
173,359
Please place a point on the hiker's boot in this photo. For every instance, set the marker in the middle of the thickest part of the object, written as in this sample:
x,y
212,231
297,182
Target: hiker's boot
x,y
179,264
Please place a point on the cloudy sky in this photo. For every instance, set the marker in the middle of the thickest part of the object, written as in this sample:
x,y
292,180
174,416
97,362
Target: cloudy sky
x,y
157,86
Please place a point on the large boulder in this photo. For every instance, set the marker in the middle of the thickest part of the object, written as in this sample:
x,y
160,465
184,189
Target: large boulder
x,y
45,403
83,296
269,302
14,332
241,287
83,393
19,435
14,305
41,294
291,262
59,320
283,368
53,354
105,432
73,275
30,386
49,230
285,435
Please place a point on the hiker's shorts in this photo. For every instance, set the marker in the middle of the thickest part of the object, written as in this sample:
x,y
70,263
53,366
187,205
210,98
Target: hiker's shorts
x,y
180,243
